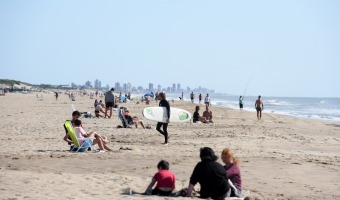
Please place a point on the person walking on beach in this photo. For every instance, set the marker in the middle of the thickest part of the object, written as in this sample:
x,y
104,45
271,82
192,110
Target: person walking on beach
x,y
109,102
56,95
164,103
207,100
192,97
200,98
241,102
259,107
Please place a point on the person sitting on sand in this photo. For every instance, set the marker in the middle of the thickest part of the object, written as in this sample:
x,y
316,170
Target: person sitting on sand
x,y
210,175
132,120
207,114
233,172
80,132
196,116
98,109
75,115
165,180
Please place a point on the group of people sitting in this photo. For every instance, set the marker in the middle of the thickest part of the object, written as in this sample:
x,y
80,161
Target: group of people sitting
x,y
205,118
216,181
102,141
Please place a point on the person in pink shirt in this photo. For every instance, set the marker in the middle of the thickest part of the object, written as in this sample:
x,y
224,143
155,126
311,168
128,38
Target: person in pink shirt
x,y
232,171
165,181
80,132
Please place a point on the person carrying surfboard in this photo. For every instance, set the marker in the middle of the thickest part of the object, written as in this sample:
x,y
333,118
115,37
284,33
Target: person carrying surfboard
x,y
164,103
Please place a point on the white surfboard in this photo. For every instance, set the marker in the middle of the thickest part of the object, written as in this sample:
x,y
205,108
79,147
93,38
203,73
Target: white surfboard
x,y
159,114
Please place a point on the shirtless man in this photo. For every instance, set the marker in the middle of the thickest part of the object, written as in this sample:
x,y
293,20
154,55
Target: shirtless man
x,y
208,114
259,107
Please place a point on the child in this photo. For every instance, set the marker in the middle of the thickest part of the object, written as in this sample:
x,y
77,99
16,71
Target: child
x,y
101,141
165,181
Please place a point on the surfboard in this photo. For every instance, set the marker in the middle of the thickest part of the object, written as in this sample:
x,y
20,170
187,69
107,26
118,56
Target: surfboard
x,y
159,114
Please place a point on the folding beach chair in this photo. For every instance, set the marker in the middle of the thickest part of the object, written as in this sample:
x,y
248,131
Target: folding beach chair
x,y
77,147
121,116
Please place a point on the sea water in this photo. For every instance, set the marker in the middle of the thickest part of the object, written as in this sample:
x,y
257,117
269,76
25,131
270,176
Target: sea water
x,y
300,107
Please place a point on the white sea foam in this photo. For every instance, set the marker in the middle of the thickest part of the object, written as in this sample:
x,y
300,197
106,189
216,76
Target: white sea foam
x,y
308,108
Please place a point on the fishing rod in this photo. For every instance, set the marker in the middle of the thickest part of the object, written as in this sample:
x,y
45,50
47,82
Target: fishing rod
x,y
246,87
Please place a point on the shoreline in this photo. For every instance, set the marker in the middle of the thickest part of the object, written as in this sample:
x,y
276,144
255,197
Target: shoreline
x,y
274,152
277,112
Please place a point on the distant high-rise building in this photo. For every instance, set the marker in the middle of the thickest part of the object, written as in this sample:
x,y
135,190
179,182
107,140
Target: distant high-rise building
x,y
97,84
128,87
124,87
179,87
117,86
173,89
159,88
88,84
151,86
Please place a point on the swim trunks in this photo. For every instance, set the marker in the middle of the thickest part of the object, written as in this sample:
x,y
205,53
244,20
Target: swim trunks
x,y
258,108
109,104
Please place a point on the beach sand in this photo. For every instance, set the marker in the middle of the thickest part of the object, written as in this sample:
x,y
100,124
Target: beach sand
x,y
281,157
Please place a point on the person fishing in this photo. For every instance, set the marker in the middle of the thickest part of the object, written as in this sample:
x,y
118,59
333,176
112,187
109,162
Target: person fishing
x,y
241,102
242,97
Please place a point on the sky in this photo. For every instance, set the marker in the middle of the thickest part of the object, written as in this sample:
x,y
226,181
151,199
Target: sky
x,y
287,48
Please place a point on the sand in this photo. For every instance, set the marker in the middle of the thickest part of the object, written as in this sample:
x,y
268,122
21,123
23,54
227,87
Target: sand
x,y
281,157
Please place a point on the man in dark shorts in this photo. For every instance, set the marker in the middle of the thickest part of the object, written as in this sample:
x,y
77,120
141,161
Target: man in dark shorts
x,y
241,102
192,97
109,102
259,107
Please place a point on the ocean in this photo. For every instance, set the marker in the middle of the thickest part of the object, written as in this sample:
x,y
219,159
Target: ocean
x,y
327,109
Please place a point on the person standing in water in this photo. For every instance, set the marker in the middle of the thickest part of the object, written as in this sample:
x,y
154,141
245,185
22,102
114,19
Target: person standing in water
x,y
164,103
259,107
241,102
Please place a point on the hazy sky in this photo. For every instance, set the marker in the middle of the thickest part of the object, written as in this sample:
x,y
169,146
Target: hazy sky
x,y
285,48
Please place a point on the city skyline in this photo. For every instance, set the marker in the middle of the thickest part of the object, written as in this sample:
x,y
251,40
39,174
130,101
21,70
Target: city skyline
x,y
128,87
